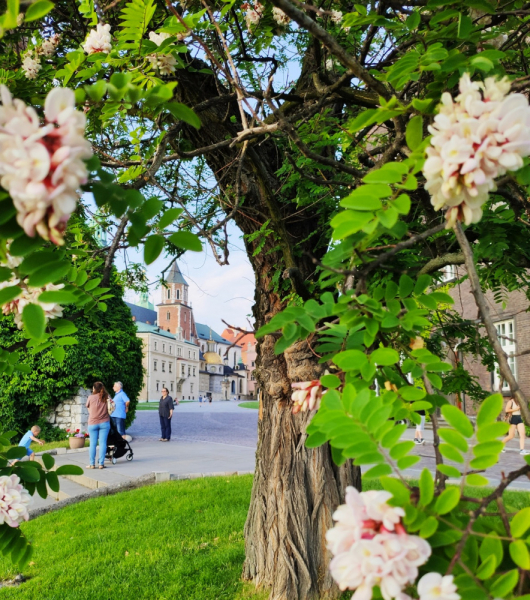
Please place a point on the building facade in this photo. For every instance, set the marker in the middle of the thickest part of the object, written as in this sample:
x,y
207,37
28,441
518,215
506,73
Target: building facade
x,y
188,358
512,321
247,343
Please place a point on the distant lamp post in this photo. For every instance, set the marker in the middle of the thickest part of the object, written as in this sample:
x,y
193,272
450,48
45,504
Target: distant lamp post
x,y
225,383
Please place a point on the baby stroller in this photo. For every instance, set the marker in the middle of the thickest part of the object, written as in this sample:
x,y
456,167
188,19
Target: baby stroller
x,y
117,446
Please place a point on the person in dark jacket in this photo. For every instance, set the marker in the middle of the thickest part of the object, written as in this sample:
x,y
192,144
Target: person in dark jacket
x,y
165,412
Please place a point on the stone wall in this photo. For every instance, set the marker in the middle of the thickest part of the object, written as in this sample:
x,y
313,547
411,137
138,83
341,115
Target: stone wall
x,y
72,412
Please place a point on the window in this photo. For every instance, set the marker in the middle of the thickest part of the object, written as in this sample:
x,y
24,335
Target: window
x,y
158,386
163,366
183,371
506,333
193,371
178,295
194,355
449,273
191,388
179,351
168,316
189,354
189,371
220,369
168,294
171,384
155,365
252,376
170,365
156,345
163,347
170,349
253,364
184,317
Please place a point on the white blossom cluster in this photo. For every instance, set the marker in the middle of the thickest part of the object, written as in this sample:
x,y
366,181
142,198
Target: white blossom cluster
x,y
48,46
280,17
371,547
31,65
42,166
336,16
163,63
98,40
306,396
253,14
482,134
14,501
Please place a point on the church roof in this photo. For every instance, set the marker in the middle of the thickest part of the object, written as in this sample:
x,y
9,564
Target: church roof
x,y
204,331
142,314
212,358
145,328
175,275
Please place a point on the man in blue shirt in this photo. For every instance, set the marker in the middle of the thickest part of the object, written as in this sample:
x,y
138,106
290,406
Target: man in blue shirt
x,y
121,400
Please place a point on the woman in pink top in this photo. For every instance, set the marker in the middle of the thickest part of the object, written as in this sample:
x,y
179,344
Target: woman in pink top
x,y
98,423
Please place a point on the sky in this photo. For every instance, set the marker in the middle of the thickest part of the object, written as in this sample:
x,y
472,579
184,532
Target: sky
x,y
215,292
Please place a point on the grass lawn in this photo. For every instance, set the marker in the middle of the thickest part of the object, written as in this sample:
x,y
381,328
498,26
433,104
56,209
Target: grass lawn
x,y
177,540
154,405
251,404
49,446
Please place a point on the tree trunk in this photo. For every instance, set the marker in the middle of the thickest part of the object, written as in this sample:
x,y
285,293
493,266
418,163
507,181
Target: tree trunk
x,y
296,489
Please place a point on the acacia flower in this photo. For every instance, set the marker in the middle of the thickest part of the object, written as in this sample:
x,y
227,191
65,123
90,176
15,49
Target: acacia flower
x,y
47,48
253,14
372,548
306,396
416,343
336,16
42,166
280,17
163,63
31,66
14,501
479,136
434,586
98,40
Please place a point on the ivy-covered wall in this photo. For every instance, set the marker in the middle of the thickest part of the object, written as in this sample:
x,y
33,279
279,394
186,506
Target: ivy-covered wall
x,y
108,351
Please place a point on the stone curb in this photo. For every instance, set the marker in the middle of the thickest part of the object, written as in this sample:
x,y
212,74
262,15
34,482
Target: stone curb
x,y
144,480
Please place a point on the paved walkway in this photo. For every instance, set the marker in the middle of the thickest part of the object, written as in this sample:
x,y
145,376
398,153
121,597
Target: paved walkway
x,y
216,438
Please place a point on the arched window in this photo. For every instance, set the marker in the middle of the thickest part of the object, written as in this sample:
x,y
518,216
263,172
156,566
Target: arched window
x,y
233,387
168,294
178,294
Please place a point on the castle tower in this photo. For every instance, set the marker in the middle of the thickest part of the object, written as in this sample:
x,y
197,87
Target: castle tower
x,y
174,312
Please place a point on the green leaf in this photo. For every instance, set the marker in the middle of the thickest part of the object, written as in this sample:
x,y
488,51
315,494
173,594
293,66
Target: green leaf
x,y
67,341
477,480
361,202
492,546
49,273
384,357
426,488
9,293
414,132
407,461
59,297
390,438
350,360
48,460
184,113
168,217
447,500
402,204
504,584
465,26
411,394
489,410
53,481
492,432
429,527
482,63
422,283
412,22
520,523
364,119
487,568
58,353
16,452
454,438
520,555
154,245
330,381
186,240
451,453
34,320
401,449
38,10
69,470
458,420
316,439
400,493
484,462
377,471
